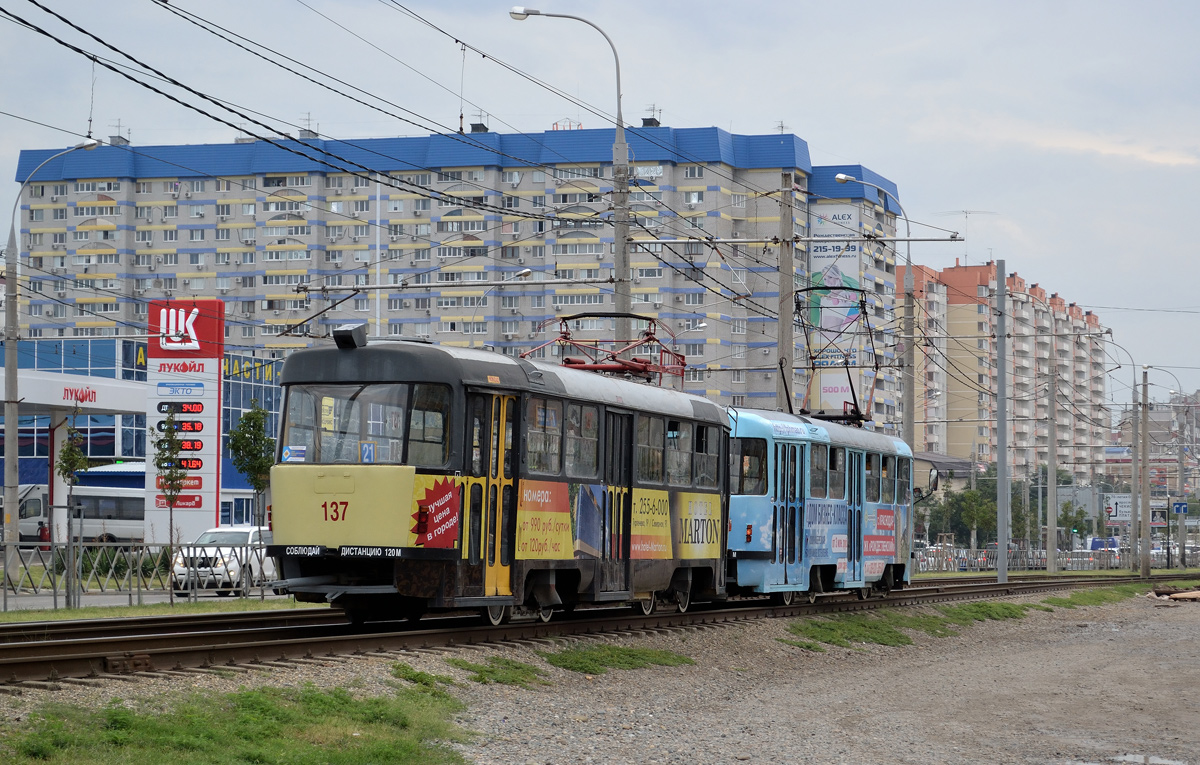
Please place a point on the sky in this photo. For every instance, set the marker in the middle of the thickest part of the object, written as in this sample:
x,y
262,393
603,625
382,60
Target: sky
x,y
1068,128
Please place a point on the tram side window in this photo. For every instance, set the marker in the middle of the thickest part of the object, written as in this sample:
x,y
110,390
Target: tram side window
x,y
748,466
583,441
837,473
889,479
679,453
817,473
903,480
543,435
872,463
428,444
707,456
650,449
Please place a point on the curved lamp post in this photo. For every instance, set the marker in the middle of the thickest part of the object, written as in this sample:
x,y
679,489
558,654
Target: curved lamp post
x,y
11,410
622,300
524,272
910,339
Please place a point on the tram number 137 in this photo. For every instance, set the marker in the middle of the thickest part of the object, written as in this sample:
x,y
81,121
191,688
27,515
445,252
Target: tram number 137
x,y
335,511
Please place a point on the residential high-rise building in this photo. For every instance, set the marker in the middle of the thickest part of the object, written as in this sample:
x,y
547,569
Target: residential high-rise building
x,y
446,225
1055,346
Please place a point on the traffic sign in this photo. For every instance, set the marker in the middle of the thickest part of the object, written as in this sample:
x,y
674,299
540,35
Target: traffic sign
x,y
1180,508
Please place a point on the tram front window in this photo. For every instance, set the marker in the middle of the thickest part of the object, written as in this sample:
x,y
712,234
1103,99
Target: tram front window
x,y
384,423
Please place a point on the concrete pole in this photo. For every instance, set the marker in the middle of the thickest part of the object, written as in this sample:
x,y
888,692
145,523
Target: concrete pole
x,y
785,341
1135,482
380,254
1003,480
1052,451
1145,472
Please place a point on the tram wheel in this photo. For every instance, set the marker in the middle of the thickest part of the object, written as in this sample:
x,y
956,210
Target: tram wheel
x,y
545,614
811,596
863,593
494,616
683,599
782,598
645,607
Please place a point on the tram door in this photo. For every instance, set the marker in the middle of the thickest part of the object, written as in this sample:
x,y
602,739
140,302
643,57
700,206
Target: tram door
x,y
491,492
854,518
787,507
616,514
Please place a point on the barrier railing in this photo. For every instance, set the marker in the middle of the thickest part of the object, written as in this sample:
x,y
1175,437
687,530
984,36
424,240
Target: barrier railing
x,y
65,572
963,559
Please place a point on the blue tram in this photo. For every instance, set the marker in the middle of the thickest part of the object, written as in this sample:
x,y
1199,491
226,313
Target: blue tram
x,y
815,507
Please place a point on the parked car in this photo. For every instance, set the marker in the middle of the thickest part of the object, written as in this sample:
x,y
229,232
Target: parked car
x,y
228,559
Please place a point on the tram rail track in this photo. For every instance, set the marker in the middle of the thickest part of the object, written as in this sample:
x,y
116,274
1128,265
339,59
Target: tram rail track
x,y
42,654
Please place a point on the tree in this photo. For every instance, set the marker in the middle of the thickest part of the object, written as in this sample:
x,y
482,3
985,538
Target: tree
x,y
71,460
1073,517
170,479
252,452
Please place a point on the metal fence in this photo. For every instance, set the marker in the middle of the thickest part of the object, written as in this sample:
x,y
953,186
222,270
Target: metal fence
x,y
962,559
59,575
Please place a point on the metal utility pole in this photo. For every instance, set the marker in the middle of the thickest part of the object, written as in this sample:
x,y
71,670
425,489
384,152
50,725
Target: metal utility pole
x,y
1003,480
12,333
1145,472
622,300
785,343
1179,498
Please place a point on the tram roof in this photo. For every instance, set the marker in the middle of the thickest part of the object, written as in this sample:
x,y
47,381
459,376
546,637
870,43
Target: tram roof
x,y
383,361
782,424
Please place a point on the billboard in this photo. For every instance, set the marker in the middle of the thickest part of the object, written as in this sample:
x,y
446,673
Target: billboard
x,y
835,314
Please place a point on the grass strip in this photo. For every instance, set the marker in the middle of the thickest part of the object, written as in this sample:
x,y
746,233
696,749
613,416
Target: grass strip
x,y
596,660
265,725
501,670
889,627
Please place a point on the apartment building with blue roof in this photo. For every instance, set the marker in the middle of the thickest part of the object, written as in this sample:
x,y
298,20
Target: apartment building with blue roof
x,y
447,225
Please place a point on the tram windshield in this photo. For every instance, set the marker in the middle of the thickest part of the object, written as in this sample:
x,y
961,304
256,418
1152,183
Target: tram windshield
x,y
384,423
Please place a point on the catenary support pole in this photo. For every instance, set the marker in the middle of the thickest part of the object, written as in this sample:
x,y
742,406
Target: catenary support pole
x,y
785,343
1145,472
1135,482
1052,451
1003,480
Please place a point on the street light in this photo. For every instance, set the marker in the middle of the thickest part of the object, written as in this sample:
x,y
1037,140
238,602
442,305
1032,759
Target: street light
x,y
910,340
11,336
622,300
524,272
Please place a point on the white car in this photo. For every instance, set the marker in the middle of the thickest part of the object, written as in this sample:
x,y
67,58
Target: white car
x,y
228,559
